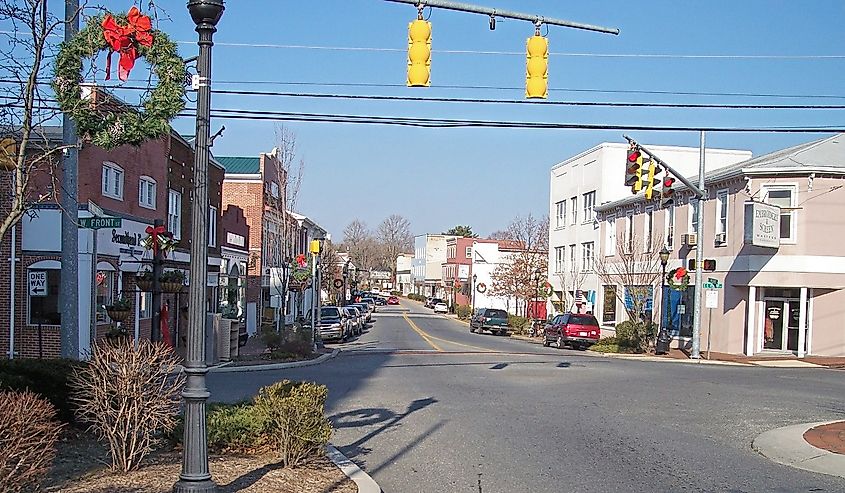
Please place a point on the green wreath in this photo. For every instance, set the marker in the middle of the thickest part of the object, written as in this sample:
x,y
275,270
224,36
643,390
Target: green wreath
x,y
110,129
677,279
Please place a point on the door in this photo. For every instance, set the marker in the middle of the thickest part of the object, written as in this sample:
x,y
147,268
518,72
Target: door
x,y
773,325
793,309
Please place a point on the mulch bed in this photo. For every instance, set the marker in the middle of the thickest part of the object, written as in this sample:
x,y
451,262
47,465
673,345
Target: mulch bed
x,y
80,468
266,358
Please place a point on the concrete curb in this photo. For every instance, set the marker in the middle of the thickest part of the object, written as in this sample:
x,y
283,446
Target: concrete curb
x,y
275,366
365,483
656,359
787,446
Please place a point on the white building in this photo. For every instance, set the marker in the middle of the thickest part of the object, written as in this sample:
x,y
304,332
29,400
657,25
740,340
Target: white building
x,y
595,177
487,256
427,265
404,277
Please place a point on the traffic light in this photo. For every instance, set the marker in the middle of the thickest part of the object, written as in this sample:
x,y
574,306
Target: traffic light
x,y
634,170
537,67
651,181
419,53
709,264
691,264
667,193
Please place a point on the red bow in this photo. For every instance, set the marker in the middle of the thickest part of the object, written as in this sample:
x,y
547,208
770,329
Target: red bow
x,y
124,40
154,232
300,259
680,273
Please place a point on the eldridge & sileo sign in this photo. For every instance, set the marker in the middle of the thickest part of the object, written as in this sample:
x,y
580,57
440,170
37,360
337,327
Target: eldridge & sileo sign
x,y
762,225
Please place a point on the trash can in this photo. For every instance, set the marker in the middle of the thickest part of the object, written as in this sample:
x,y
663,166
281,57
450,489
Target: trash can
x,y
663,341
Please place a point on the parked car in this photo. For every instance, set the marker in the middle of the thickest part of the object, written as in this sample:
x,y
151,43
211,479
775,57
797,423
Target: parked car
x,y
427,303
578,330
365,310
334,324
355,319
371,302
435,301
441,308
492,319
393,300
380,301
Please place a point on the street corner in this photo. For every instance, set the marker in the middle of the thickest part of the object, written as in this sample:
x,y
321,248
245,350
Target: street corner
x,y
816,447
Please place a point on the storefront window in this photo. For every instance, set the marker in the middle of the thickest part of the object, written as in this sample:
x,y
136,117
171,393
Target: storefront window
x,y
45,309
145,306
609,304
105,296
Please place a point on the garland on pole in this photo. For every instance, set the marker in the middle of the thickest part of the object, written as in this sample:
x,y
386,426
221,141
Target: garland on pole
x,y
158,238
678,279
132,36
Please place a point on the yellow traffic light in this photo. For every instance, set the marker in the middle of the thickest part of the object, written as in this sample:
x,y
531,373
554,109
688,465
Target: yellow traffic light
x,y
537,68
650,183
419,53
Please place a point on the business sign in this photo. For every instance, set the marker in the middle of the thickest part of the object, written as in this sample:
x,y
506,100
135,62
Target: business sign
x,y
38,283
762,225
235,239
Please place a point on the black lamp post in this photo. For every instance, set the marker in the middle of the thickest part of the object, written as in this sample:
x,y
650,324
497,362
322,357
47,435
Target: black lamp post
x,y
662,346
345,280
195,477
474,280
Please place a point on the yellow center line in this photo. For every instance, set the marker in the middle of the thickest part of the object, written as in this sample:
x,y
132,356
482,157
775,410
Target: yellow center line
x,y
422,334
430,338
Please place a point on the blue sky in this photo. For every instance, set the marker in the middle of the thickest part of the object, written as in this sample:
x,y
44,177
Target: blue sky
x,y
484,177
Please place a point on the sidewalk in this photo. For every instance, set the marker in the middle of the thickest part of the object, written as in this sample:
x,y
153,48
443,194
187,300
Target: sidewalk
x,y
817,447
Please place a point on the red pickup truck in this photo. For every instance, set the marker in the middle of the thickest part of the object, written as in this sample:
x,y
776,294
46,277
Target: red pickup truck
x,y
578,330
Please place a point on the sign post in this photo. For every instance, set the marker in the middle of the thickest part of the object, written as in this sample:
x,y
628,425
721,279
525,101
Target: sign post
x,y
711,301
98,221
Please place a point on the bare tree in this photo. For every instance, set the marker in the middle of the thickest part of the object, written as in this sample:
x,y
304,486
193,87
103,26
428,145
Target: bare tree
x,y
394,234
362,246
636,269
25,57
528,264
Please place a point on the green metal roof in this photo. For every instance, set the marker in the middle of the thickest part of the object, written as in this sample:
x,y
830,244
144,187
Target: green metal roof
x,y
239,165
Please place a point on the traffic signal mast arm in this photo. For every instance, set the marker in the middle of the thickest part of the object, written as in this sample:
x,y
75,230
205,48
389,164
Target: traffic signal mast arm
x,y
697,191
476,9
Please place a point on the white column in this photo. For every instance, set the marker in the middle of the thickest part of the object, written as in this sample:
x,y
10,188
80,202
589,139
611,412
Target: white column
x,y
751,309
810,321
802,322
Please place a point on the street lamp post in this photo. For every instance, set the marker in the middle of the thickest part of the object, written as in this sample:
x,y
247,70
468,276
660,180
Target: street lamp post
x,y
345,280
662,345
474,280
195,477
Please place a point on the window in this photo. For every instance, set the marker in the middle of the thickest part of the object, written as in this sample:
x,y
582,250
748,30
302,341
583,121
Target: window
x,y
608,312
693,216
629,234
722,215
469,252
274,189
784,197
587,256
610,237
147,192
560,214
212,226
105,294
174,214
574,206
112,181
559,255
649,229
45,309
589,202
572,258
669,226
145,308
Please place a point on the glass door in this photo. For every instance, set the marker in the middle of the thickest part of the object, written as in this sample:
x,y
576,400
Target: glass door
x,y
773,324
793,309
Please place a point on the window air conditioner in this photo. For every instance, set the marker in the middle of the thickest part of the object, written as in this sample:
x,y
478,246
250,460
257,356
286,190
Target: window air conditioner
x,y
690,239
721,238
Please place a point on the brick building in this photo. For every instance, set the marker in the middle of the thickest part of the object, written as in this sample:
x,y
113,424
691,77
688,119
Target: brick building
x,y
136,184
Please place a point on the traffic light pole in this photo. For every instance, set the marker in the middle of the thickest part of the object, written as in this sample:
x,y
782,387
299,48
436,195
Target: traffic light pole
x,y
506,14
700,195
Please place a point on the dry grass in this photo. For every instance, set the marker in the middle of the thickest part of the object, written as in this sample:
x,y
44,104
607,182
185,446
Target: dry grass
x,y
244,474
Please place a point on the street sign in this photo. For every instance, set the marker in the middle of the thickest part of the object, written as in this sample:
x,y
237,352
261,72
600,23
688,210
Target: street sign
x,y
38,283
100,222
95,209
711,299
713,285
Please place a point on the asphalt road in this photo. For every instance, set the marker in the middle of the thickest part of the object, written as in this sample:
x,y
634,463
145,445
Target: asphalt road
x,y
423,405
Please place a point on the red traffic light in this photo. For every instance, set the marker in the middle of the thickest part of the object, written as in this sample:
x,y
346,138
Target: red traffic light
x,y
709,264
633,155
668,181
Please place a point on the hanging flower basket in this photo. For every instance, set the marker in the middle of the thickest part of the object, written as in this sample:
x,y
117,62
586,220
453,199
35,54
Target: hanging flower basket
x,y
144,281
172,281
119,310
171,287
296,286
131,36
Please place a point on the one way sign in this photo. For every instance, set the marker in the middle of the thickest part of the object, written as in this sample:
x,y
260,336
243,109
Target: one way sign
x,y
38,283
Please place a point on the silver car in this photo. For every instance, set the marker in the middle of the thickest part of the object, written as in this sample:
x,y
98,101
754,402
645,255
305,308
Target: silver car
x,y
365,310
355,319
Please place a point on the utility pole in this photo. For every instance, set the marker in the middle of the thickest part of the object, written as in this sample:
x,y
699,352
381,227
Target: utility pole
x,y
695,353
69,286
506,14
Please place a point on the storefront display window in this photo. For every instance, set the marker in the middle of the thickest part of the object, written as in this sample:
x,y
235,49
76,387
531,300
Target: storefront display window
x,y
45,309
609,304
105,294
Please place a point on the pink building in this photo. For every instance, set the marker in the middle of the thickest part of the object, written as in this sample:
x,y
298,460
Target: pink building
x,y
774,225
